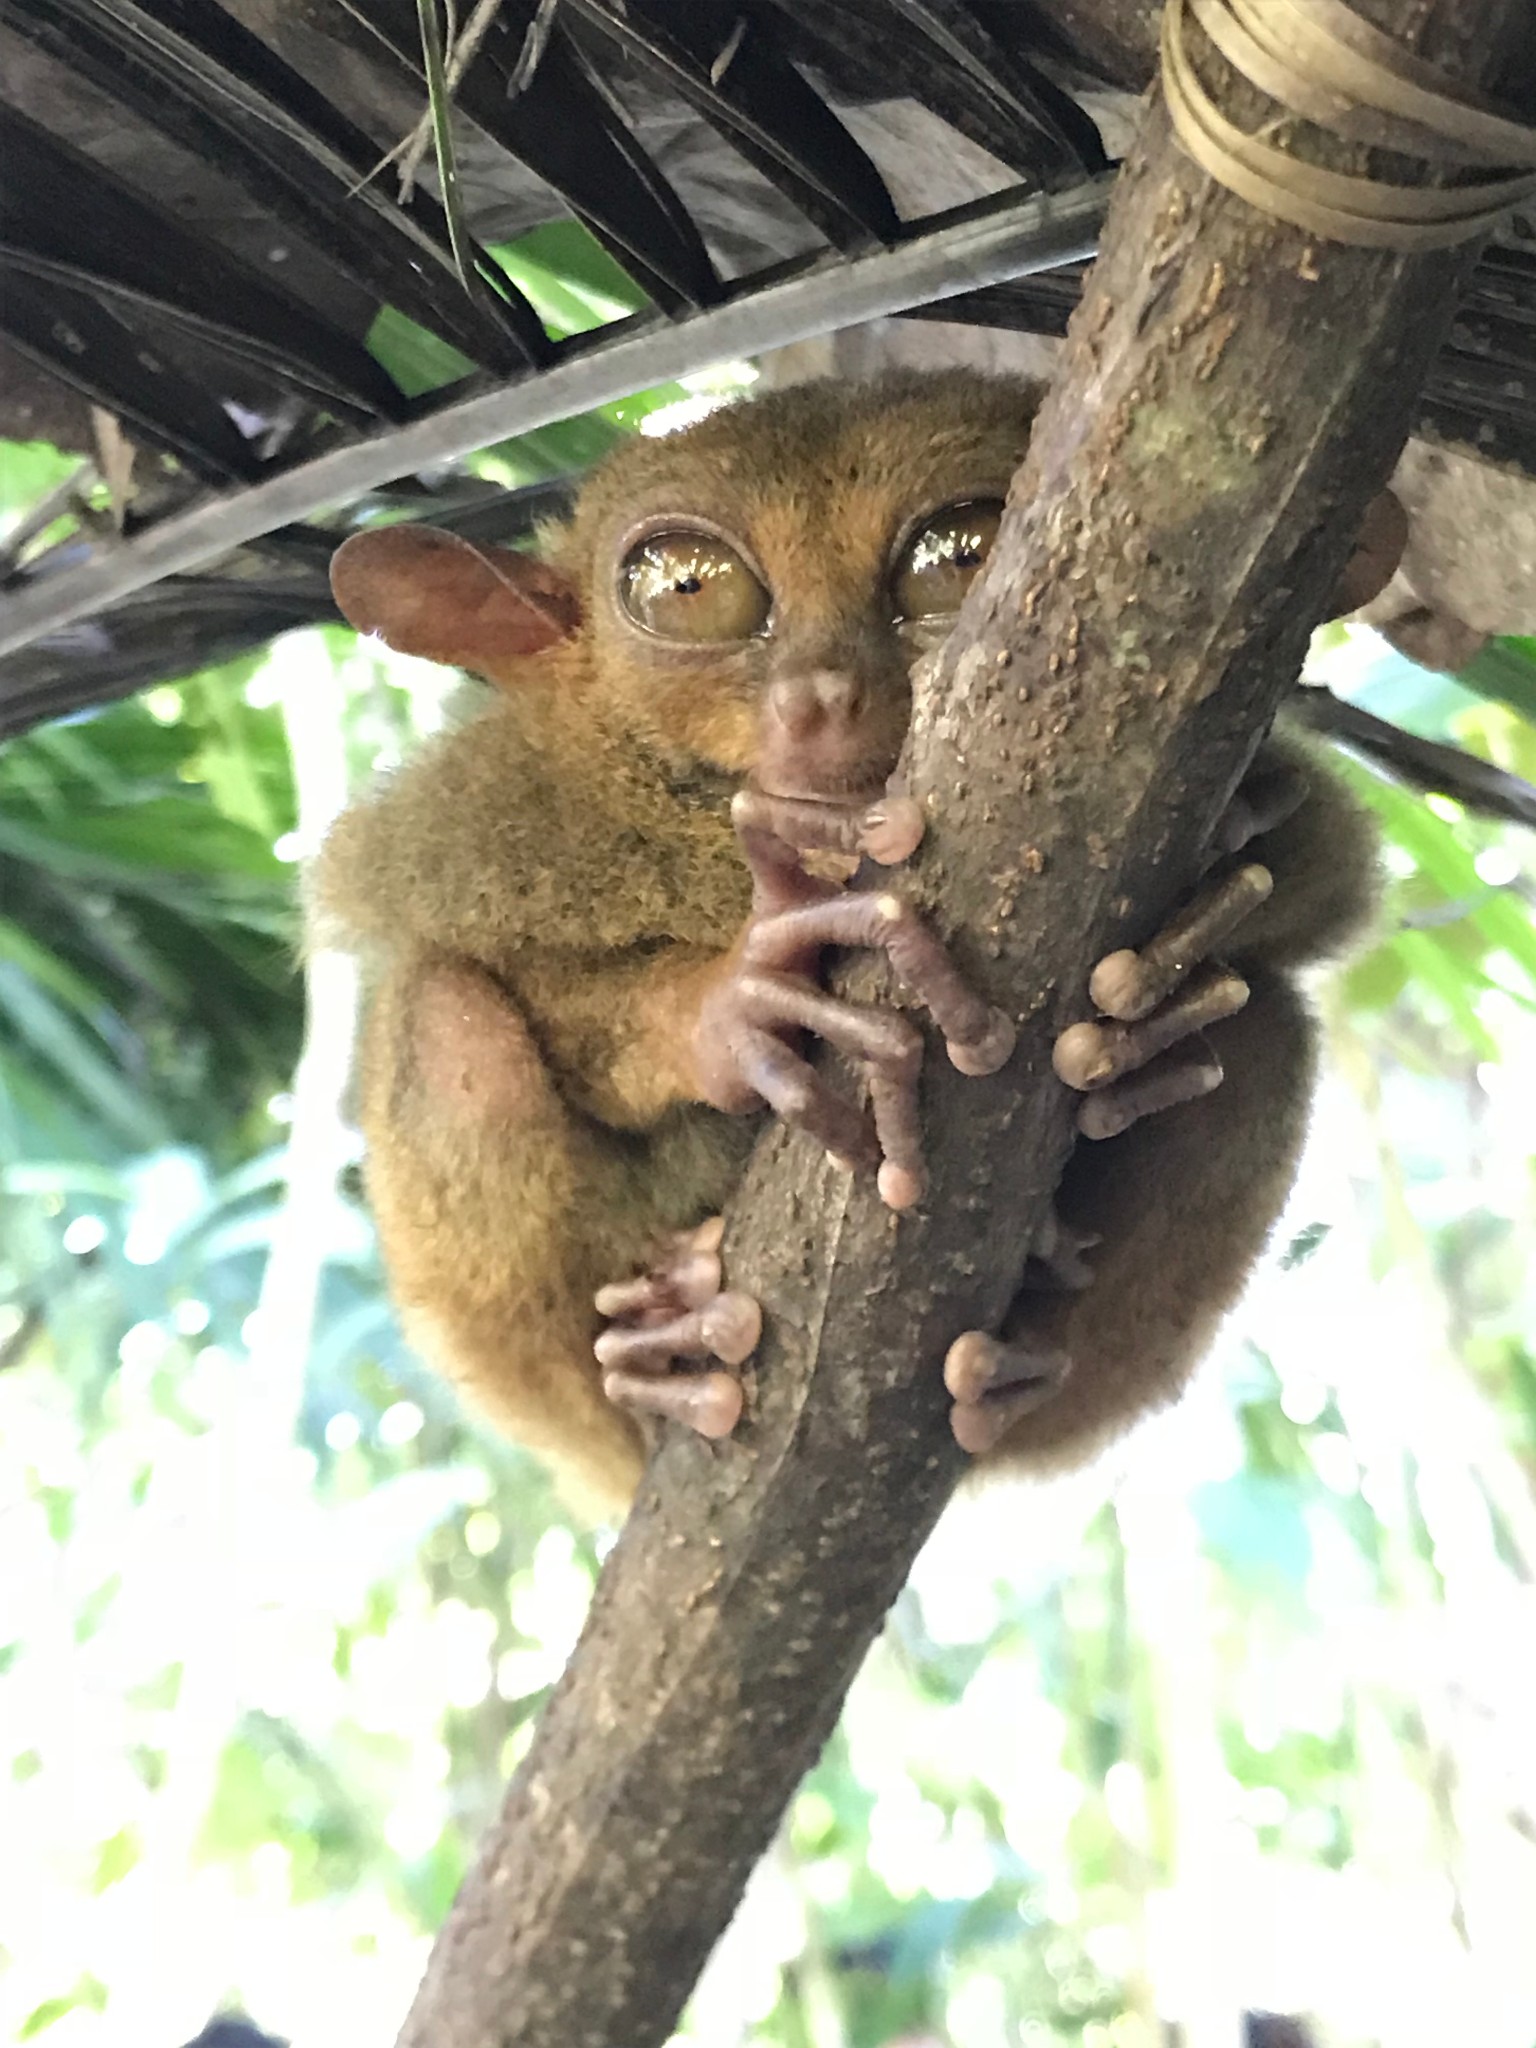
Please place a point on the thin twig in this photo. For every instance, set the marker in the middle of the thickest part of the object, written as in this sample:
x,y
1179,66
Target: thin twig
x,y
410,149
1428,765
535,41
463,50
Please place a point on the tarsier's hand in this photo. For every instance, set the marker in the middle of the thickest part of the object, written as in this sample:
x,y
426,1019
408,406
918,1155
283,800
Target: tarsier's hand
x,y
1151,1052
767,996
671,1330
1147,1052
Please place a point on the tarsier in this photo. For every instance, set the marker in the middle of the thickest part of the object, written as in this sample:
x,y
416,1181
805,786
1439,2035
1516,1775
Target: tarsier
x,y
593,916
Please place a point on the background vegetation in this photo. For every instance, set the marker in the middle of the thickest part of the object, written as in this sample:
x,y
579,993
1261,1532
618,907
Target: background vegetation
x,y
1241,1718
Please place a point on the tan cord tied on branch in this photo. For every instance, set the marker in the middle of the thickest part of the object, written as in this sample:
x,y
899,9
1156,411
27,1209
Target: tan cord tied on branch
x,y
1320,61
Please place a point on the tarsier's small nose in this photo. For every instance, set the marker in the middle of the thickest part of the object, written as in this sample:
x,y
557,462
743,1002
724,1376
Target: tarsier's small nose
x,y
803,703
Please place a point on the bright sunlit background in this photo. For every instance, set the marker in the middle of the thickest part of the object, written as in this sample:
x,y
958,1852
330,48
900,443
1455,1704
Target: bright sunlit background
x,y
1242,1719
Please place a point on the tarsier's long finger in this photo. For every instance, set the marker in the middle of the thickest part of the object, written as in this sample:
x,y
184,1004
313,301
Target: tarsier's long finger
x,y
1190,1070
1091,1056
796,1092
979,1038
994,1381
727,1327
890,1047
889,829
902,1176
708,1402
1128,985
1264,799
779,882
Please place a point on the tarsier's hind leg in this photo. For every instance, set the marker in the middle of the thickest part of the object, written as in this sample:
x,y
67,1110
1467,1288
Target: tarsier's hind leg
x,y
497,1211
1181,1205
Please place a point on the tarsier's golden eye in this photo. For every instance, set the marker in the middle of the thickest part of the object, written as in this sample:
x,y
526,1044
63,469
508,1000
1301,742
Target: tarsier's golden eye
x,y
941,561
691,586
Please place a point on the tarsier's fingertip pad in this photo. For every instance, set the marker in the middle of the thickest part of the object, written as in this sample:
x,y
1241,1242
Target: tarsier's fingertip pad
x,y
970,1365
1081,1058
975,1429
710,1404
1257,880
901,1187
993,1049
1119,987
733,1327
715,1405
892,830
710,1235
695,1279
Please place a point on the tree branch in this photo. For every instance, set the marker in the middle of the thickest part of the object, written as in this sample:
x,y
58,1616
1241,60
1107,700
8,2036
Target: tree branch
x,y
1423,764
1230,398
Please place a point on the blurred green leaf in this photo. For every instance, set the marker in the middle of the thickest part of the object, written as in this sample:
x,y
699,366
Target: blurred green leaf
x,y
119,1853
89,1993
418,360
1505,669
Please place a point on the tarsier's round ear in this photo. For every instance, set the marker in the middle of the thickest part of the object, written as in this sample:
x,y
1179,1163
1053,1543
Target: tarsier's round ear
x,y
431,593
1378,550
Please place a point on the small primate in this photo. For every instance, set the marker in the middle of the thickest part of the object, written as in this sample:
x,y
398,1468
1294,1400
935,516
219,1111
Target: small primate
x,y
592,918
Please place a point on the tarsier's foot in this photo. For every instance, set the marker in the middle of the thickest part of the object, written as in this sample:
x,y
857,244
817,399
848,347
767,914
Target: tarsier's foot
x,y
769,997
995,1380
665,1325
1152,1052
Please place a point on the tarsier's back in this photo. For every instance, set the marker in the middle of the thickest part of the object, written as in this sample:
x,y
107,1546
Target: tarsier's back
x,y
594,917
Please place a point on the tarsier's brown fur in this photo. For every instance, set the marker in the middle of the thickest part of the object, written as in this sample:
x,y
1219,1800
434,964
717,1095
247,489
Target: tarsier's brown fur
x,y
540,896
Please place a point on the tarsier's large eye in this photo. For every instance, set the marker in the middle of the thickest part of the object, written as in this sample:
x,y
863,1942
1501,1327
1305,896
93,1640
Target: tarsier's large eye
x,y
940,562
691,586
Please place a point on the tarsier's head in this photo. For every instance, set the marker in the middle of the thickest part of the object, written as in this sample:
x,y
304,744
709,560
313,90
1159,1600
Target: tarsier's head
x,y
749,593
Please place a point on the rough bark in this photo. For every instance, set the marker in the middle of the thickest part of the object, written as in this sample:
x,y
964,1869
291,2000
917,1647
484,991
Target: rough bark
x,y
1230,398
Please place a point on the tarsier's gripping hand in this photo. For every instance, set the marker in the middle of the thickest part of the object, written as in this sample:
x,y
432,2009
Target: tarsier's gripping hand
x,y
767,996
1146,1052
1150,1051
673,1328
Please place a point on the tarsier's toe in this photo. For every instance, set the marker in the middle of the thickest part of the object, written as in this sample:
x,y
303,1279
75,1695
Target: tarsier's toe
x,y
892,830
709,1403
990,1049
690,1278
994,1383
669,1331
1120,986
901,1187
1182,1075
1130,985
732,1327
